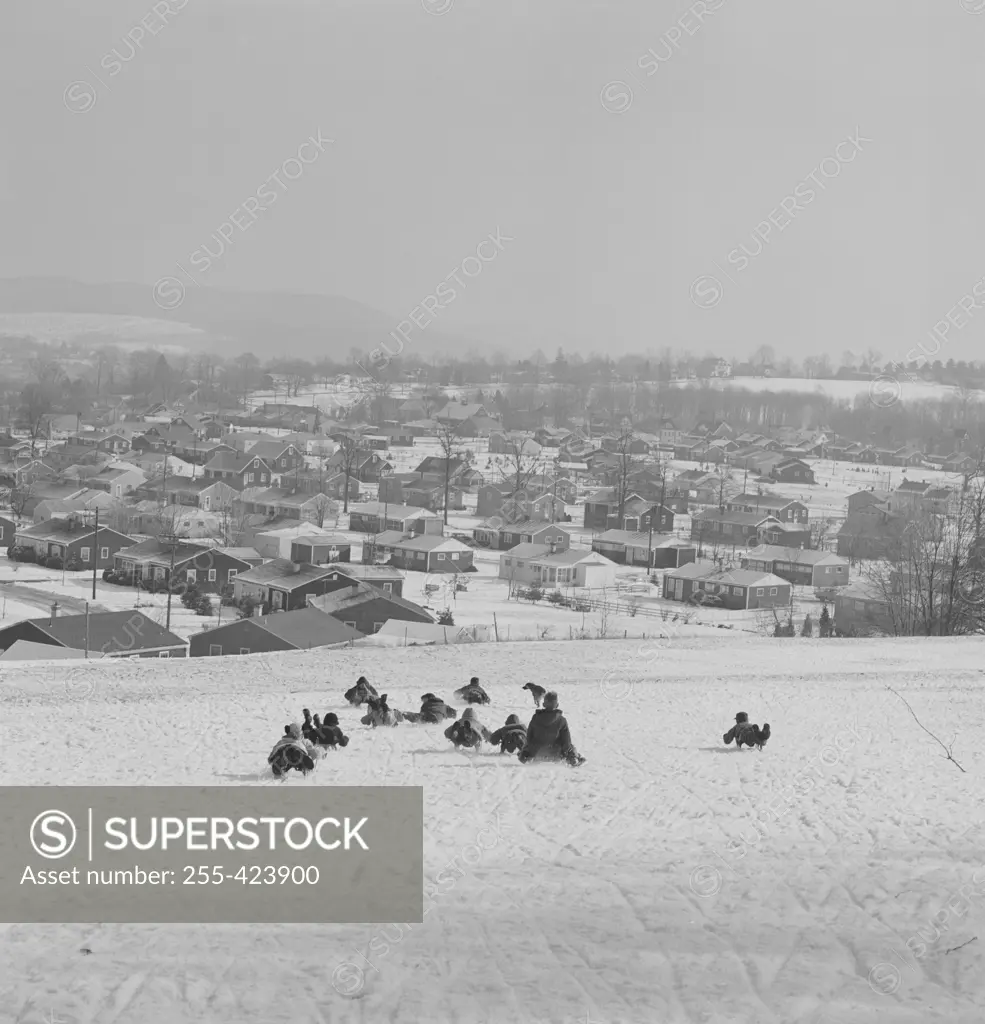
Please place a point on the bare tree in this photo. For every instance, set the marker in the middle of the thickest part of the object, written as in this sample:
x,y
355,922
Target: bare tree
x,y
323,507
625,467
931,582
352,448
449,437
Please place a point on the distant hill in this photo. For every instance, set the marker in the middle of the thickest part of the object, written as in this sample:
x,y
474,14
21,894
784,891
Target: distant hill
x,y
269,324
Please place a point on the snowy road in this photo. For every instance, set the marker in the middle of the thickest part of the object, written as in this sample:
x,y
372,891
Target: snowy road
x,y
667,880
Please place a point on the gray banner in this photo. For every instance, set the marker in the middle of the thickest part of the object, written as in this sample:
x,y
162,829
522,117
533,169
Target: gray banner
x,y
223,855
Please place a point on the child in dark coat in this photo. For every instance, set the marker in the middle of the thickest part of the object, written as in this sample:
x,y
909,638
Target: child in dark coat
x,y
512,738
361,692
743,732
330,734
468,731
435,710
548,738
473,693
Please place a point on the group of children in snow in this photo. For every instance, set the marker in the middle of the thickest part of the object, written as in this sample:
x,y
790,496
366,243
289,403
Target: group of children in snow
x,y
546,738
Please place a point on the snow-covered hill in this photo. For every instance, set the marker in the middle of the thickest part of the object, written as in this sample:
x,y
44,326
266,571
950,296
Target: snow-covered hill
x,y
667,880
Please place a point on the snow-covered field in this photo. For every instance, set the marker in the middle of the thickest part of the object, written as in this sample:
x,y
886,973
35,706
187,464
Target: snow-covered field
x,y
844,390
667,880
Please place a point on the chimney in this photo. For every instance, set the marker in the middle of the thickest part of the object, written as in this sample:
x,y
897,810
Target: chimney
x,y
54,613
295,568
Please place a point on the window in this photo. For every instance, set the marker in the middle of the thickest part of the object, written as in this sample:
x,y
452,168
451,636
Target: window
x,y
508,561
164,654
215,650
104,552
454,556
519,564
232,575
191,576
759,591
377,626
283,462
158,572
244,650
351,625
737,591
420,554
211,575
441,556
387,588
85,554
772,591
250,477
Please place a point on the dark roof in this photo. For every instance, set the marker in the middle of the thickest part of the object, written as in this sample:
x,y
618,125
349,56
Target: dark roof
x,y
62,531
108,631
234,462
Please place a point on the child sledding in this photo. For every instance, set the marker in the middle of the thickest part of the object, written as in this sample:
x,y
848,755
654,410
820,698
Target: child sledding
x,y
328,734
292,752
361,692
434,710
745,733
473,693
468,731
512,737
548,737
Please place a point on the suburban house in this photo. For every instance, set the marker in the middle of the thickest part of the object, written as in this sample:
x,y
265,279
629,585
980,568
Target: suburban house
x,y
869,533
205,493
864,499
786,510
127,634
735,588
792,470
602,510
299,630
713,526
508,536
861,609
278,541
366,467
209,569
472,420
417,490
282,585
8,528
460,472
536,563
960,462
73,539
118,481
282,458
629,547
238,470
804,568
378,516
508,442
419,552
111,443
366,608
275,502
384,577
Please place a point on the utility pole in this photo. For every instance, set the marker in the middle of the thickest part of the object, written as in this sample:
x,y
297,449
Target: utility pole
x,y
87,630
95,554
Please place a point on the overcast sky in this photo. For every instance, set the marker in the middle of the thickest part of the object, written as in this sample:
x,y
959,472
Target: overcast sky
x,y
491,114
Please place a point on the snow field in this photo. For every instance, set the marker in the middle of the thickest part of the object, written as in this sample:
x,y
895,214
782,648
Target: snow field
x,y
668,879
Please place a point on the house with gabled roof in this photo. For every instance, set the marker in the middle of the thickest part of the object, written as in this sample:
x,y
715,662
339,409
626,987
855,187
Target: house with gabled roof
x,y
126,634
204,566
733,588
802,567
117,480
366,608
73,539
419,552
377,516
538,564
238,470
302,630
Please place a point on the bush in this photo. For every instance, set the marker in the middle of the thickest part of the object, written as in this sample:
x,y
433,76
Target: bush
x,y
535,593
74,565
556,597
191,597
52,562
808,627
203,605
445,618
825,626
